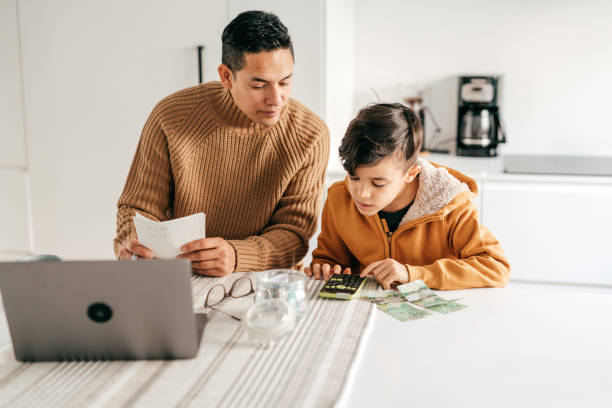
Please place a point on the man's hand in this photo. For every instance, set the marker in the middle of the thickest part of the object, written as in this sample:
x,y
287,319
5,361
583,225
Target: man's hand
x,y
210,256
325,271
131,247
387,272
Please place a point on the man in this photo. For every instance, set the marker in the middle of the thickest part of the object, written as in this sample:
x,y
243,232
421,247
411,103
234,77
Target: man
x,y
241,151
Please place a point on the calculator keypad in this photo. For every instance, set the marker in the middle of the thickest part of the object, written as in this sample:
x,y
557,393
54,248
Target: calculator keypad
x,y
343,283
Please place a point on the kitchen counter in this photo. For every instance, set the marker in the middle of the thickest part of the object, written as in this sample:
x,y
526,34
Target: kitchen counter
x,y
475,167
492,169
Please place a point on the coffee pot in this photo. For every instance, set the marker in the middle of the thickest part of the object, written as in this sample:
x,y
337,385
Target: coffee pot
x,y
479,122
478,128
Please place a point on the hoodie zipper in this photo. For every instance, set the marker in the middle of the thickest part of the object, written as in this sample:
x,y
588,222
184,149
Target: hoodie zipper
x,y
388,234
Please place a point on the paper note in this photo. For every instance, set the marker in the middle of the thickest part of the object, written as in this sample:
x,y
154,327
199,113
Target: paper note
x,y
165,238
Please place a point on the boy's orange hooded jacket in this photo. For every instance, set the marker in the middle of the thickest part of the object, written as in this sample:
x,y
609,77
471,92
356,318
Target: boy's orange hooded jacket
x,y
439,239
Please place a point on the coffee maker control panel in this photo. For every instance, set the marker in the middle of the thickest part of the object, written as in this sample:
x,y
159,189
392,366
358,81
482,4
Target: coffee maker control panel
x,y
477,92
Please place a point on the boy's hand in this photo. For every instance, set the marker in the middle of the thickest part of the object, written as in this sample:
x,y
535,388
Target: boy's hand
x,y
387,272
325,271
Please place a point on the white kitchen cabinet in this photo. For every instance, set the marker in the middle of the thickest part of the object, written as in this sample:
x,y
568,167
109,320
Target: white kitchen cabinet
x,y
553,229
14,215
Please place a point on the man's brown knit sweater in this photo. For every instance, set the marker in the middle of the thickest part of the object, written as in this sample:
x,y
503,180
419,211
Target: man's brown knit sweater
x,y
259,186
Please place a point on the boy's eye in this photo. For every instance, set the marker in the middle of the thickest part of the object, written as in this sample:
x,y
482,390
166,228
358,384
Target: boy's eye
x,y
378,185
354,178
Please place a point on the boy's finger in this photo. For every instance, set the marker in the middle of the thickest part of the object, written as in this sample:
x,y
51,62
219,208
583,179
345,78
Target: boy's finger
x,y
369,268
337,269
382,275
347,271
387,281
307,271
377,269
316,270
326,268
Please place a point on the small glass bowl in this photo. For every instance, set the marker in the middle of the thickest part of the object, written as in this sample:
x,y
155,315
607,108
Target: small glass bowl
x,y
269,320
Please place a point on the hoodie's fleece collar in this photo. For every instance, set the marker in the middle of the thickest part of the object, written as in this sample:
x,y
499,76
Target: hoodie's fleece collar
x,y
437,188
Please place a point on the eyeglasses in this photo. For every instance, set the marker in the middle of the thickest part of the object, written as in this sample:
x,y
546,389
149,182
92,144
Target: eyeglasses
x,y
240,288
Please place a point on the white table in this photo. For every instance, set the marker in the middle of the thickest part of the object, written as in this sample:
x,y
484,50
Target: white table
x,y
527,345
522,346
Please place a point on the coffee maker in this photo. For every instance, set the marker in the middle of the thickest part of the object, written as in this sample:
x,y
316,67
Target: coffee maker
x,y
479,125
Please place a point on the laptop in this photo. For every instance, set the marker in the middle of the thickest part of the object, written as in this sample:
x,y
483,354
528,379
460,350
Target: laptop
x,y
99,310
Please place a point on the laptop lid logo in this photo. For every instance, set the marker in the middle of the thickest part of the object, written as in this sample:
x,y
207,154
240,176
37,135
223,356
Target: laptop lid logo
x,y
99,312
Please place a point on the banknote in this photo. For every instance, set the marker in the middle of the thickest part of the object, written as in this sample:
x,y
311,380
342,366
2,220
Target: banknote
x,y
415,290
430,301
403,311
419,294
394,304
382,297
447,307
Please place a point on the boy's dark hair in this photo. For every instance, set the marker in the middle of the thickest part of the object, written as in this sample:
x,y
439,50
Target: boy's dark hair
x,y
379,131
252,32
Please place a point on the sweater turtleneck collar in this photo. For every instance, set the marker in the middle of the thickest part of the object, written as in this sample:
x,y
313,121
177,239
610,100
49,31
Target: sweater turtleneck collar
x,y
229,115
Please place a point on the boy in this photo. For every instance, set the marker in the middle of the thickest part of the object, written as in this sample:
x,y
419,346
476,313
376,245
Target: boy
x,y
400,218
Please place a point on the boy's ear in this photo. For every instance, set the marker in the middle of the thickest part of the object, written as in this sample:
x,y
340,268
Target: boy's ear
x,y
412,172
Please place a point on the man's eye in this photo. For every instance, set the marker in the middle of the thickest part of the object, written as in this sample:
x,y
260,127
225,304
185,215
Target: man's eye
x,y
284,84
256,87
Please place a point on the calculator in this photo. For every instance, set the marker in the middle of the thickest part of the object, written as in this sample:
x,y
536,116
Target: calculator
x,y
342,286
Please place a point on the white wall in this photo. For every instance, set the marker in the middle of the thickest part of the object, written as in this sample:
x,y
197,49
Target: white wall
x,y
339,73
556,58
12,141
92,73
14,214
15,227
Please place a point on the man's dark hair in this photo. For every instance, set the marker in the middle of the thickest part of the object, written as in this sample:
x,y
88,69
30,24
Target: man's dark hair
x,y
379,131
252,32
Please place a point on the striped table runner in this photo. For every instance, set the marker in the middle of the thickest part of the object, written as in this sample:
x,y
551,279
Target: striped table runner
x,y
309,367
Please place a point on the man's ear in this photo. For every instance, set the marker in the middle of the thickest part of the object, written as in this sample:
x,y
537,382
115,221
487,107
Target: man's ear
x,y
225,75
412,172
